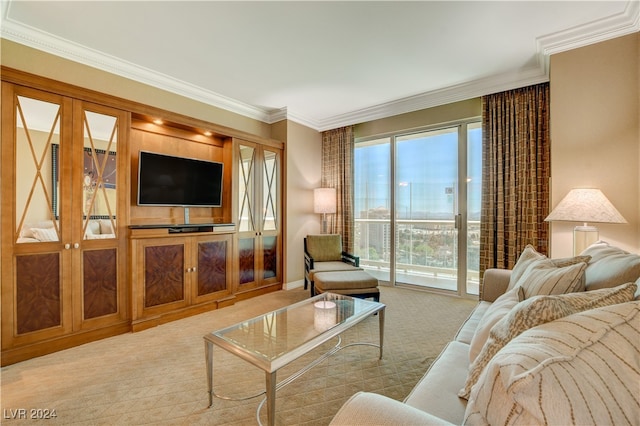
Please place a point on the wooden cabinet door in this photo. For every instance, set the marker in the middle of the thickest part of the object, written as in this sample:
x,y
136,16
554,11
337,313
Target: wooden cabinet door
x,y
161,266
58,276
99,189
270,228
211,273
36,256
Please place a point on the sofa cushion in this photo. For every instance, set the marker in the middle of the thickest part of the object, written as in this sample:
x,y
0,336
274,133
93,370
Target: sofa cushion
x,y
581,369
610,266
436,392
498,309
468,328
365,408
539,310
324,248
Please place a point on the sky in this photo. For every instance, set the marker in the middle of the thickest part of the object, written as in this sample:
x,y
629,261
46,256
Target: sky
x,y
426,175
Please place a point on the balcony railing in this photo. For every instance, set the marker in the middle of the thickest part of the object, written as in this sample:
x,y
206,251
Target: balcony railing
x,y
425,252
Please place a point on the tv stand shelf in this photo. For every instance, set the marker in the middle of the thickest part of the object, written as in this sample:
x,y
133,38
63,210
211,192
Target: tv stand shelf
x,y
189,228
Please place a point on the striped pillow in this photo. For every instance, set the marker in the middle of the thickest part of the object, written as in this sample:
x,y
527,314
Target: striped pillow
x,y
530,255
544,277
540,310
581,369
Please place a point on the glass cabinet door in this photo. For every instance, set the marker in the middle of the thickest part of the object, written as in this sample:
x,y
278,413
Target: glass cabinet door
x,y
247,232
271,213
97,183
258,210
36,297
65,268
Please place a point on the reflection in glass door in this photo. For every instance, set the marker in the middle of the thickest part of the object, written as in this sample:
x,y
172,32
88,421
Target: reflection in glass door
x,y
417,207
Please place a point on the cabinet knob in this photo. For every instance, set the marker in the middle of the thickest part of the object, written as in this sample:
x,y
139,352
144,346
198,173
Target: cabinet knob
x,y
67,246
76,245
193,269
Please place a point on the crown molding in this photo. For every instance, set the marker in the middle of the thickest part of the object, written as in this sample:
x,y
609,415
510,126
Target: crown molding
x,y
624,23
614,26
456,93
46,42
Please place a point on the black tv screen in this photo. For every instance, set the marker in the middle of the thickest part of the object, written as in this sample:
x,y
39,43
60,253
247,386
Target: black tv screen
x,y
165,180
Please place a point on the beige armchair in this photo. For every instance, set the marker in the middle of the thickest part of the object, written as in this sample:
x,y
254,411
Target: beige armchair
x,y
323,253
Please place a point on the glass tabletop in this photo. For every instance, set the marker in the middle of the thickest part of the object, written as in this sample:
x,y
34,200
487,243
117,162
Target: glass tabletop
x,y
275,338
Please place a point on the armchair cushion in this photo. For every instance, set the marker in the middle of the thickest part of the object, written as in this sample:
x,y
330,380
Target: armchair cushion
x,y
325,248
330,267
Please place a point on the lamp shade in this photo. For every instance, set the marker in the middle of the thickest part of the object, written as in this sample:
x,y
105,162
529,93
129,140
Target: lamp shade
x,y
324,200
585,205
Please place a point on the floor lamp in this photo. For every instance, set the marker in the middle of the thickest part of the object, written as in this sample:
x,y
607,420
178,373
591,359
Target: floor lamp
x,y
585,205
324,201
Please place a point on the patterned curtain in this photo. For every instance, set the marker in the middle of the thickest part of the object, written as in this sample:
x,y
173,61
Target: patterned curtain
x,y
337,172
516,171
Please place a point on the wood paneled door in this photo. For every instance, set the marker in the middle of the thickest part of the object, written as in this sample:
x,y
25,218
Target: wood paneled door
x,y
63,210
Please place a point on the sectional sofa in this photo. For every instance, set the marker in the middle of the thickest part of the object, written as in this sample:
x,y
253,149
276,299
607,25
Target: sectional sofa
x,y
553,341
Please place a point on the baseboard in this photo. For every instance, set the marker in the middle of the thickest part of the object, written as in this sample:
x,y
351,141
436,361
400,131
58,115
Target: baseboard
x,y
293,284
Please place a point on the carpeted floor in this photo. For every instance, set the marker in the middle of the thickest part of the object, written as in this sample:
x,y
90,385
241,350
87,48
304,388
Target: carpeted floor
x,y
158,376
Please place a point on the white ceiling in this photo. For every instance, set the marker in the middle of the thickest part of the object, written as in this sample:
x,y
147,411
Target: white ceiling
x,y
324,64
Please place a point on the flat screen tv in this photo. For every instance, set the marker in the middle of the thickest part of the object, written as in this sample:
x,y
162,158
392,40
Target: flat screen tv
x,y
165,180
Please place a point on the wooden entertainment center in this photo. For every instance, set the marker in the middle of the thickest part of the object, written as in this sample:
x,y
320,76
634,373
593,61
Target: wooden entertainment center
x,y
81,260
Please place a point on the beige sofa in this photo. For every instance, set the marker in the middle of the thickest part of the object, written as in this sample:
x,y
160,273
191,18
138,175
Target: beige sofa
x,y
543,355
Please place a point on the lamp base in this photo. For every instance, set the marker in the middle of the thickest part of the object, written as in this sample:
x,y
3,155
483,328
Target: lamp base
x,y
583,237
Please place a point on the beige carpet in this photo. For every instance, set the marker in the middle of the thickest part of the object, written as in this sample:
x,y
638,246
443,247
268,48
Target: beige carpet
x,y
158,376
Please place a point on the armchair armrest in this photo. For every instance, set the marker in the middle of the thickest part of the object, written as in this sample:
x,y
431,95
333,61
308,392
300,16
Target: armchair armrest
x,y
366,409
350,258
308,262
494,283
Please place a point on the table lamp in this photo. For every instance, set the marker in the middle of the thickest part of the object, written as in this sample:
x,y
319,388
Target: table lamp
x,y
585,205
324,201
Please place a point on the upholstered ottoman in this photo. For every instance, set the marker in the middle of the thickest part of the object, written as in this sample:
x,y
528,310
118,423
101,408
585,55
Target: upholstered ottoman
x,y
355,283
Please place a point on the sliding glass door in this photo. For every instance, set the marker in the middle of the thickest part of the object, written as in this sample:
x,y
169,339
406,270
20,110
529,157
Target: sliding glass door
x,y
417,207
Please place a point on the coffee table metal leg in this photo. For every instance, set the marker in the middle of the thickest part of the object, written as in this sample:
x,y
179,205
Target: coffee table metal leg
x,y
381,319
271,397
208,354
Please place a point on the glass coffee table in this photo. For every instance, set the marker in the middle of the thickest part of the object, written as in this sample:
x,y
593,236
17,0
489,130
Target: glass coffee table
x,y
275,339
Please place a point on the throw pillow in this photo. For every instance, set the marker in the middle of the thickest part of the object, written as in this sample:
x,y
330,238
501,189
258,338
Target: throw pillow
x,y
540,310
581,369
530,255
610,266
494,313
527,257
543,277
45,234
106,226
